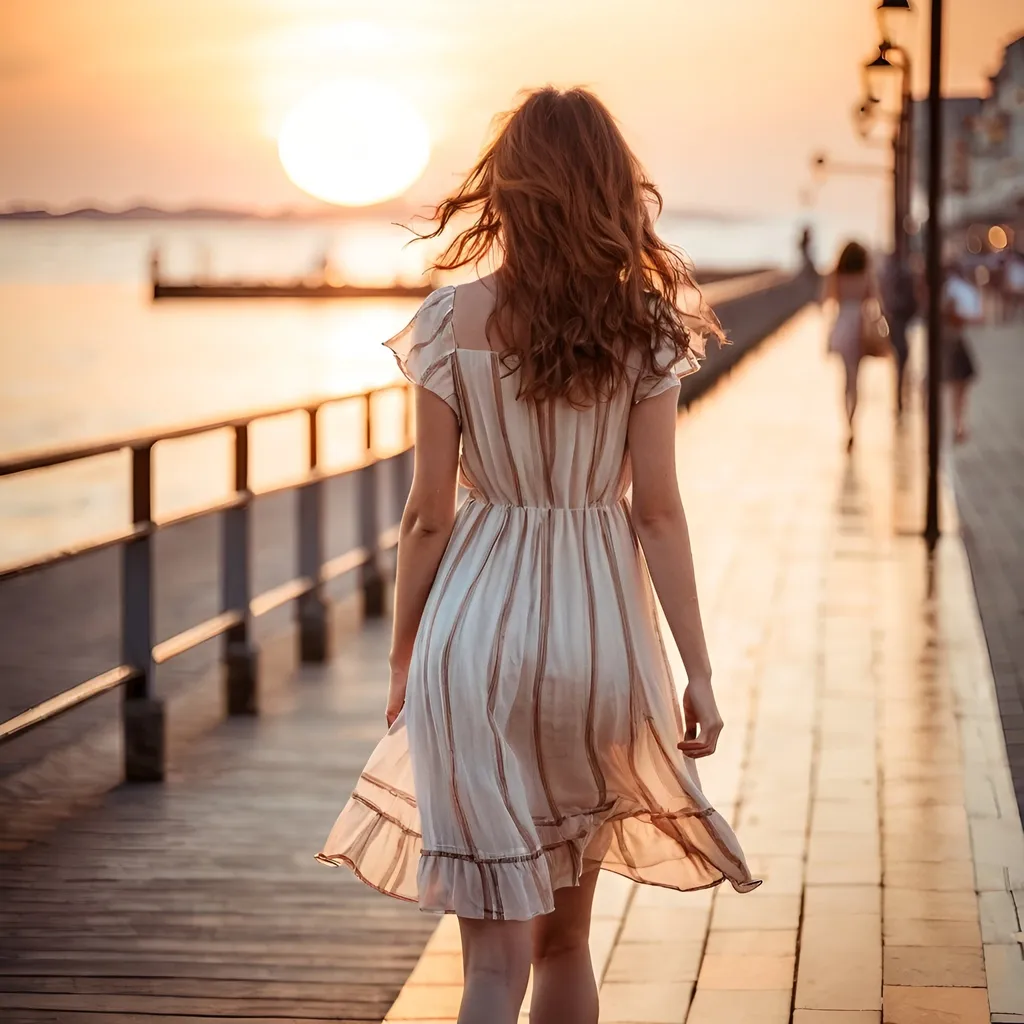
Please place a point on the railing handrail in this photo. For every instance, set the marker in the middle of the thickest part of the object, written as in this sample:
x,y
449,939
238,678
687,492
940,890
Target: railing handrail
x,y
143,715
47,458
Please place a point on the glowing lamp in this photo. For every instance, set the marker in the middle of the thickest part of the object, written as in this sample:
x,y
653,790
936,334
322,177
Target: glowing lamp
x,y
897,20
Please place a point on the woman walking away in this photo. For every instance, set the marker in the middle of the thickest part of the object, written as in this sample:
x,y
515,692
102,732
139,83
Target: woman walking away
x,y
852,285
535,734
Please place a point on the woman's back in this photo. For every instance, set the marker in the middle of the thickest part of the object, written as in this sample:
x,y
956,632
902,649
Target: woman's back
x,y
536,732
536,454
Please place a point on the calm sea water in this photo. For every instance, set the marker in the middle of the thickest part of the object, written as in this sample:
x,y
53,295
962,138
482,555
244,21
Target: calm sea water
x,y
85,353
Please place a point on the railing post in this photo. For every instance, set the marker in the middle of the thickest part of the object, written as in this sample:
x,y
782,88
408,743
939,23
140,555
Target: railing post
x,y
241,658
143,714
313,609
371,578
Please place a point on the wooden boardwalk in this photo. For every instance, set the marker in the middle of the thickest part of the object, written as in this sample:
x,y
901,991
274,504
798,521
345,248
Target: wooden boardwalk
x,y
200,899
862,762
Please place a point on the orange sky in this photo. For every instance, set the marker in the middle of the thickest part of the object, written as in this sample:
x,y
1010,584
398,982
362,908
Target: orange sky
x,y
178,101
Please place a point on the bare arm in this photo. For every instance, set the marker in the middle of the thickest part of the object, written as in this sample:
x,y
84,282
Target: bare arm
x,y
660,523
425,531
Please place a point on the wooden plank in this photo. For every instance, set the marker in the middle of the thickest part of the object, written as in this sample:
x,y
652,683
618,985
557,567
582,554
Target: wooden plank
x,y
214,988
182,969
171,1005
64,1017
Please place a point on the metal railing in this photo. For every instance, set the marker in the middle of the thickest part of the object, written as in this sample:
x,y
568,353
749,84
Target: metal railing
x,y
143,716
771,295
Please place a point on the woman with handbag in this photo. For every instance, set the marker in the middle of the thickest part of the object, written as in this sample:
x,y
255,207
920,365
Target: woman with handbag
x,y
859,328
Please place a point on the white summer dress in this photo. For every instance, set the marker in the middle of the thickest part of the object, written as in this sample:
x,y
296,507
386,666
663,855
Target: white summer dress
x,y
539,734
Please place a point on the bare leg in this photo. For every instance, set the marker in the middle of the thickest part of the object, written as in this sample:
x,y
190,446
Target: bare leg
x,y
902,353
959,410
564,987
851,366
496,964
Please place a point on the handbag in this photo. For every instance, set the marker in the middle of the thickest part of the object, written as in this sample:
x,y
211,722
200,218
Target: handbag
x,y
875,336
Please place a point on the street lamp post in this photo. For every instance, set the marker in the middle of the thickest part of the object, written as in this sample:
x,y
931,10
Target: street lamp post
x,y
894,23
897,21
934,272
878,74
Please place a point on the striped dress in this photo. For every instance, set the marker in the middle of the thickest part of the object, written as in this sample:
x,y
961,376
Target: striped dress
x,y
539,735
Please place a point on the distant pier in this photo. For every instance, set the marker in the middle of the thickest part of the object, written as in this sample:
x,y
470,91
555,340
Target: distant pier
x,y
285,290
317,286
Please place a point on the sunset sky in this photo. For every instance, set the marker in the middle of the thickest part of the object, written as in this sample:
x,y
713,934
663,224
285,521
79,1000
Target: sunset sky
x,y
180,101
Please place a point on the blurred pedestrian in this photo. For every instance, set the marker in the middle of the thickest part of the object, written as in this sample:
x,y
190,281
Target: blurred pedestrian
x,y
899,301
853,287
961,307
806,246
1013,284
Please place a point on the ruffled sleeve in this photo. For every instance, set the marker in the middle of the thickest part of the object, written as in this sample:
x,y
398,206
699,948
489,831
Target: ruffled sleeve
x,y
666,370
425,348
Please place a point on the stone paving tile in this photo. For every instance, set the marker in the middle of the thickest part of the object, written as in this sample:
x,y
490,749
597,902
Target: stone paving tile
x,y
836,1016
756,911
652,1002
663,924
856,871
842,899
716,1006
915,932
933,965
931,906
1004,968
434,1002
743,971
844,847
903,1005
765,942
1000,916
840,962
655,961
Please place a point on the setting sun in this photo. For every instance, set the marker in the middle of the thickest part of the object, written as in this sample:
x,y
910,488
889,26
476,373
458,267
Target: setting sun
x,y
354,142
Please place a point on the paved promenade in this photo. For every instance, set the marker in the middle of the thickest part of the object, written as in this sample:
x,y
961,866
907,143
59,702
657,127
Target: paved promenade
x,y
988,476
862,758
862,762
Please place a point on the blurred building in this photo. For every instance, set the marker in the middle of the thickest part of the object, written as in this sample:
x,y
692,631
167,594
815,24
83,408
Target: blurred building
x,y
983,159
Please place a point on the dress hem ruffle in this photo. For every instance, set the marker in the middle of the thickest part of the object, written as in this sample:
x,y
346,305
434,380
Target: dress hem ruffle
x,y
522,886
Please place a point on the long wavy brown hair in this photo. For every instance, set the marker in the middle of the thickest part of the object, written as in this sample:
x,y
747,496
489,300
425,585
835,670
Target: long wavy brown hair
x,y
560,199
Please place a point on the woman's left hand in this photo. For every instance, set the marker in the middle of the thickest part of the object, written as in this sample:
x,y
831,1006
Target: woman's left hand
x,y
396,694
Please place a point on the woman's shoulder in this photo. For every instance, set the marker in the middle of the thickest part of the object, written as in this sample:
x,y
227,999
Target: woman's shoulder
x,y
427,337
439,300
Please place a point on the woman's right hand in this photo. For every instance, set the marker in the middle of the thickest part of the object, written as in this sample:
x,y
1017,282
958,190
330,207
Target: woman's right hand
x,y
703,722
396,693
